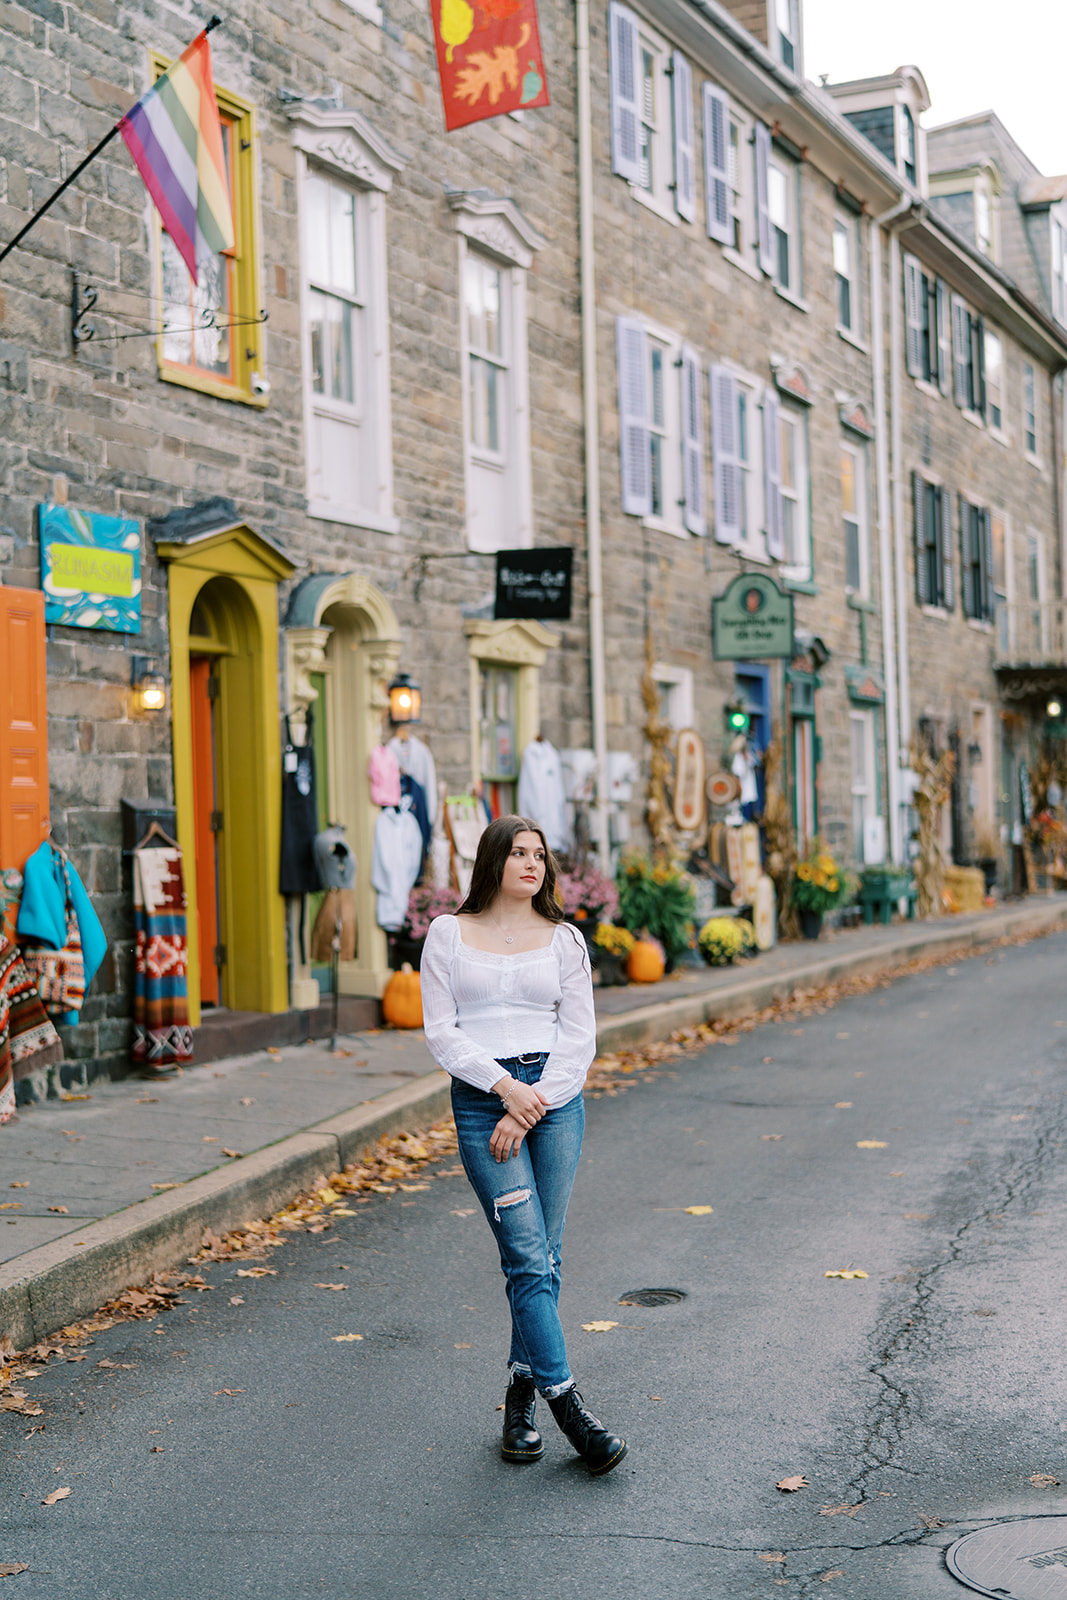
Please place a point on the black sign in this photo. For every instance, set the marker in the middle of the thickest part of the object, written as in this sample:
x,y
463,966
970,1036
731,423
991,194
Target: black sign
x,y
533,584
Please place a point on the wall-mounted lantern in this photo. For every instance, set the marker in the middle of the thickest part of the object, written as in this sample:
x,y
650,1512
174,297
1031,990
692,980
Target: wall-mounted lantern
x,y
405,699
149,685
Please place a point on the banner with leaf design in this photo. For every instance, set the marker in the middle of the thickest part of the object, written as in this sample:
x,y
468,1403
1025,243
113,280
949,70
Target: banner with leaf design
x,y
489,58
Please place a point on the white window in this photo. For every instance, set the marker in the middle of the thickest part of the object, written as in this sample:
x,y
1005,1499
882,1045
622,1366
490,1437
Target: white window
x,y
674,686
740,173
793,494
864,776
994,380
344,172
737,448
1030,409
496,248
1059,269
847,274
786,19
644,115
856,520
661,428
782,181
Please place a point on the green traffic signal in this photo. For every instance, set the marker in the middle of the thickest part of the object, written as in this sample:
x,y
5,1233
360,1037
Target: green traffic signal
x,y
738,720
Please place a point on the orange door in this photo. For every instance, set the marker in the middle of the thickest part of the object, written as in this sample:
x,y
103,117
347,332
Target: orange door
x,y
207,917
23,726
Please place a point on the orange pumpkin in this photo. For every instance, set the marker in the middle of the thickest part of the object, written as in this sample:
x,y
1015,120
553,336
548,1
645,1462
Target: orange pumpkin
x,y
402,1000
645,962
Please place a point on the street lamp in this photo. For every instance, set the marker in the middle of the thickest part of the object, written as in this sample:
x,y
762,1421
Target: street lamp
x,y
1053,709
405,699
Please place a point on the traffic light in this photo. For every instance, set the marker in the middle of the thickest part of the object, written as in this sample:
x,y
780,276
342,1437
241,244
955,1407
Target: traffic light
x,y
737,719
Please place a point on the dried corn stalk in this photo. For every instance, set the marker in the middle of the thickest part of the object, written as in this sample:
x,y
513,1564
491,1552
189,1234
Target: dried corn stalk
x,y
929,799
779,837
658,734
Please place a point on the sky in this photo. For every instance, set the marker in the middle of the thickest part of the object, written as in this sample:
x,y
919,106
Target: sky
x,y
972,57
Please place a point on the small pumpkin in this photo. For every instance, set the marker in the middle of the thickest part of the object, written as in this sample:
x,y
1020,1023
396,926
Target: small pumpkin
x,y
402,1000
645,963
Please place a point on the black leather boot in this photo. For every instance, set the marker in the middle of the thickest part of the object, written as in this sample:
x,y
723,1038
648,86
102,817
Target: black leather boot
x,y
599,1449
521,1441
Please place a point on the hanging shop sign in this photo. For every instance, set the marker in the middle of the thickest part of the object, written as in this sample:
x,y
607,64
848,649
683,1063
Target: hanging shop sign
x,y
533,585
752,620
489,58
90,569
689,771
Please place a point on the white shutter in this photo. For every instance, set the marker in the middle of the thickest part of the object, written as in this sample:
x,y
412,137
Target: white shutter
x,y
922,562
625,63
764,234
685,202
693,443
961,339
726,450
913,311
717,165
944,338
633,418
947,598
772,478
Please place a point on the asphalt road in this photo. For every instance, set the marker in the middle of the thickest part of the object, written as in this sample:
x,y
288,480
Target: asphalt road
x,y
926,1394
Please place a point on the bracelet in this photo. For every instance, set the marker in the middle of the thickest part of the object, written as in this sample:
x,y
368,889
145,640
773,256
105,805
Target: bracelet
x,y
505,1098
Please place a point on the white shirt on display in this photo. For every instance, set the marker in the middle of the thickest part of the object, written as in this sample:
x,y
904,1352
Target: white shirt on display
x,y
541,796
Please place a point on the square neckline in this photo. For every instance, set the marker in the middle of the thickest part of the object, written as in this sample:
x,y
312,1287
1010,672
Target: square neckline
x,y
503,955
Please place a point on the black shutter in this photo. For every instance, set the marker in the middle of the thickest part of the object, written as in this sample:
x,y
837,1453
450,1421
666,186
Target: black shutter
x,y
922,566
948,588
987,564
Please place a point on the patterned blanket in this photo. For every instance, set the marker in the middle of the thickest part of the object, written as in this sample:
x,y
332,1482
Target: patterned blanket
x,y
162,1036
27,1038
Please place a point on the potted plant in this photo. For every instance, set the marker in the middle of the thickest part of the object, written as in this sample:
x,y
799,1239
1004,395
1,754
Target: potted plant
x,y
818,885
880,890
425,902
988,852
587,897
657,897
721,940
612,945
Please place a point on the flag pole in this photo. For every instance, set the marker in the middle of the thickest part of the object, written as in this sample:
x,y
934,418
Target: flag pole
x,y
78,170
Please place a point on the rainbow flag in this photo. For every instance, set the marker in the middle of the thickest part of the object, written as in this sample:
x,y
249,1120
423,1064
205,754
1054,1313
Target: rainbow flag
x,y
174,135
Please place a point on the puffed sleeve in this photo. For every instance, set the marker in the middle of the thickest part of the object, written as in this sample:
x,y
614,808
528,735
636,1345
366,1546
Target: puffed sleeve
x,y
450,1047
572,1055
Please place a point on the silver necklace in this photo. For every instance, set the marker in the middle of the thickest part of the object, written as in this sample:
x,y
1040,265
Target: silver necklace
x,y
509,938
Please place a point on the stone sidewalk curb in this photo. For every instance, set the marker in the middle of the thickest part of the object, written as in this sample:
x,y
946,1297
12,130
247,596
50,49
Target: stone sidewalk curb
x,y
57,1283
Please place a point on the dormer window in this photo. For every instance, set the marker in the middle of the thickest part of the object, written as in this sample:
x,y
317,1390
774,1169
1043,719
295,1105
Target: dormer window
x,y
907,144
983,221
1059,269
787,32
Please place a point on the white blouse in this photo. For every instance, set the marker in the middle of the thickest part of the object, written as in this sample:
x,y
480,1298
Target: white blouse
x,y
479,1008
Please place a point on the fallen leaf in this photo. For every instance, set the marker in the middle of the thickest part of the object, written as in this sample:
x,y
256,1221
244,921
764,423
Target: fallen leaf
x,y
843,1105
598,1327
1021,1117
257,1272
11,1205
148,1100
698,1211
331,1286
837,1572
210,1138
845,1272
1044,1480
10,1569
985,1311
273,1050
843,1036
772,1555
770,1137
916,1216
75,1097
235,1154
57,1494
469,1212
19,1185
896,1174
159,1187
791,1485
871,1144
81,1357
329,1196
346,1338
931,1522
464,1347
124,1366
229,1391
60,1210
344,1211
237,1300
843,1510
247,1101
655,1397
768,1061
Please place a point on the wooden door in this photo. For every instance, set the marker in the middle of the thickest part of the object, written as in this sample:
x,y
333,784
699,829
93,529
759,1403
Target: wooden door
x,y
204,812
23,726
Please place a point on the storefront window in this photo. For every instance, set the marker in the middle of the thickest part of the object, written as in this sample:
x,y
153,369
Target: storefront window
x,y
498,731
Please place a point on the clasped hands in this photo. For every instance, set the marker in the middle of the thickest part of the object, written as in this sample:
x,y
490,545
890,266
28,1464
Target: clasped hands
x,y
526,1106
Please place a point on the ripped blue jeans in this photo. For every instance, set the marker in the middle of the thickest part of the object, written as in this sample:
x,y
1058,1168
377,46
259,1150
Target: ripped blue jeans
x,y
525,1203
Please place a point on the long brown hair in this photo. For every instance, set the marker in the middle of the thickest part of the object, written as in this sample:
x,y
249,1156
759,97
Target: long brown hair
x,y
494,847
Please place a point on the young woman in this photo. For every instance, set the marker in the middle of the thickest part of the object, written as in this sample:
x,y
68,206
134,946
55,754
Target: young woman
x,y
507,1002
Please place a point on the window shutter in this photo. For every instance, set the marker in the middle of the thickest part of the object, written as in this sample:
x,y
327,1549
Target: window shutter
x,y
960,352
23,726
978,357
726,450
772,479
944,338
682,102
763,211
625,66
986,535
967,553
693,443
913,312
922,564
633,418
948,589
717,164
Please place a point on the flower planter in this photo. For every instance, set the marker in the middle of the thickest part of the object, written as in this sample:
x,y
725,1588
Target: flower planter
x,y
880,892
401,949
811,924
610,970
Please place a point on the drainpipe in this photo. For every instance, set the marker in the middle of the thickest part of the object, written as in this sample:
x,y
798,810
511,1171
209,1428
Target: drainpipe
x,y
592,437
891,515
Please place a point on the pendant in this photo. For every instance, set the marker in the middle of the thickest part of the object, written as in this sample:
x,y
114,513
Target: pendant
x,y
509,938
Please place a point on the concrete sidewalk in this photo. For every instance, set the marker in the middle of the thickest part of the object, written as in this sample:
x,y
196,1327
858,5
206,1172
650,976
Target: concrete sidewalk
x,y
100,1191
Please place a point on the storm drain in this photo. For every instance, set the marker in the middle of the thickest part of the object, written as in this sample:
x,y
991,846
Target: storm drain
x,y
1024,1560
653,1297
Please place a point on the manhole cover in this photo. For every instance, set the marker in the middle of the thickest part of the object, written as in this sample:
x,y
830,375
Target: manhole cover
x,y
1025,1560
654,1297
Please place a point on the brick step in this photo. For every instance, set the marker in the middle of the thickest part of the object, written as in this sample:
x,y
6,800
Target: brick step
x,y
235,1033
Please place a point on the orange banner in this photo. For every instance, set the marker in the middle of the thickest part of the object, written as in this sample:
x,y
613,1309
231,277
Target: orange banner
x,y
488,57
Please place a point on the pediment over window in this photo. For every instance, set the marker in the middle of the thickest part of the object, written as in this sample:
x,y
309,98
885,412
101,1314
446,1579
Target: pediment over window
x,y
347,143
495,223
791,379
856,416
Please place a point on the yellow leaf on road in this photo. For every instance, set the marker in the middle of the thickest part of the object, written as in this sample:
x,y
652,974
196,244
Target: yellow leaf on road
x,y
257,1272
772,1555
845,1272
11,1205
346,1338
344,1211
57,1494
791,1485
329,1197
871,1144
1044,1480
698,1211
60,1210
331,1286
598,1327
11,1569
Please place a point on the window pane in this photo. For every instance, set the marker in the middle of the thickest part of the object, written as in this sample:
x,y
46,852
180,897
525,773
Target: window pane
x,y
848,482
318,230
1000,567
842,253
648,86
742,426
778,197
733,159
472,289
656,452
491,303
859,754
342,238
317,318
852,553
658,400
787,433
340,337
177,334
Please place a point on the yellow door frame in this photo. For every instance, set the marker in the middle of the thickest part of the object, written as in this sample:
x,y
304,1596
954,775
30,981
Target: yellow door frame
x,y
244,612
